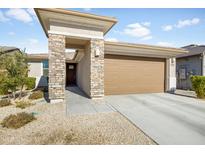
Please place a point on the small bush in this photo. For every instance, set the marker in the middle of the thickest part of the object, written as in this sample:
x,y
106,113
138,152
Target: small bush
x,y
198,84
5,102
3,91
23,104
18,120
36,95
30,83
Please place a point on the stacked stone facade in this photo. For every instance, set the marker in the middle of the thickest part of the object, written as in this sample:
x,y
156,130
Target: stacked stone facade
x,y
56,45
96,68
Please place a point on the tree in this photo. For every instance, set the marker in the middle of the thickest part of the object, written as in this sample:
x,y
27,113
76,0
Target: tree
x,y
15,70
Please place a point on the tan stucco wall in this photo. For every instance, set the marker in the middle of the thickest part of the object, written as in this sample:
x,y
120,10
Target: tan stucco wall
x,y
66,29
35,69
83,72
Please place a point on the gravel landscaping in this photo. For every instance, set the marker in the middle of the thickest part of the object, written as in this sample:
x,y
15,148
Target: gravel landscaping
x,y
52,126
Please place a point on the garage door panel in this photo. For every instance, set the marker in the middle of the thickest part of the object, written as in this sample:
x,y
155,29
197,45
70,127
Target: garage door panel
x,y
124,75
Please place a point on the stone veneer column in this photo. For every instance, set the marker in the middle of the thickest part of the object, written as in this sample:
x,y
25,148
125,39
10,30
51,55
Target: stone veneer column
x,y
171,74
56,85
97,68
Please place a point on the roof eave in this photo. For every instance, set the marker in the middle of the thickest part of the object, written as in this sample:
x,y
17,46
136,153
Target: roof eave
x,y
41,22
75,13
136,49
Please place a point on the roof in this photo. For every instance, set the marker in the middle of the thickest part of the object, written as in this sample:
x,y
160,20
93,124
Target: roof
x,y
7,49
37,57
193,50
58,21
44,56
123,48
85,19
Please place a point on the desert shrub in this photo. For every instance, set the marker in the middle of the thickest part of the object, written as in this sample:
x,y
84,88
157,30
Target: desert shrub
x,y
18,120
36,94
23,104
5,102
198,84
15,72
30,83
3,91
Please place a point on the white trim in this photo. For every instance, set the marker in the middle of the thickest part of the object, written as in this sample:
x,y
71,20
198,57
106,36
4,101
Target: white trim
x,y
170,74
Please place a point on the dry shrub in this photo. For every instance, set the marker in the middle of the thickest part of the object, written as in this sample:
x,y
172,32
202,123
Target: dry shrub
x,y
18,120
5,102
36,95
23,104
57,136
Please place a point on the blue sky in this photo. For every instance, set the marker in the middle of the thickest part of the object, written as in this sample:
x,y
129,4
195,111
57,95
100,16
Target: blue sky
x,y
164,27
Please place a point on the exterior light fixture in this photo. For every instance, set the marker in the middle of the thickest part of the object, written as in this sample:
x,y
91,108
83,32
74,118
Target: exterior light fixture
x,y
97,52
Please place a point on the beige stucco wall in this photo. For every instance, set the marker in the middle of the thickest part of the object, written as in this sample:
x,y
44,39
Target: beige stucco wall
x,y
74,31
83,72
36,70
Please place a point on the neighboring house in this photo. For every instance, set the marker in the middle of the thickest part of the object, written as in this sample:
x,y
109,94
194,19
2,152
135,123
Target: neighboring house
x,y
8,50
38,63
192,63
100,67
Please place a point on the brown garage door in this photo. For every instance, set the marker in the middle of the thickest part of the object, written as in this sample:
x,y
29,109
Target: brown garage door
x,y
128,74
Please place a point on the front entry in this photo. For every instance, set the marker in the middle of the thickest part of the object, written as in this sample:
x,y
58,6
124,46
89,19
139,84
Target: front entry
x,y
70,74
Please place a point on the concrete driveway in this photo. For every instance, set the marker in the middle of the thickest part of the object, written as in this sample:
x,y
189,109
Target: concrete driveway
x,y
166,118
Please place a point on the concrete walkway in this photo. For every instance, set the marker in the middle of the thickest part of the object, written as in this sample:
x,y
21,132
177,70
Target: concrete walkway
x,y
166,118
77,103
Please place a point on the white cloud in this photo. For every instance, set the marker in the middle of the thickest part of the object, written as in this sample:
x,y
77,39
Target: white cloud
x,y
181,24
19,14
147,38
137,30
187,22
111,39
146,24
167,27
3,18
32,41
11,33
166,44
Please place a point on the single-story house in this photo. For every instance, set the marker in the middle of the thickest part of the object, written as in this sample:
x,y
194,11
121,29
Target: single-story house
x,y
8,50
191,63
99,67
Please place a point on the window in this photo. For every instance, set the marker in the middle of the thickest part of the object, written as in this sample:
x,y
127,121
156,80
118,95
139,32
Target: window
x,y
45,68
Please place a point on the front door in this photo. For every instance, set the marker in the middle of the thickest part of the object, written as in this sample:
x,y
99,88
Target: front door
x,y
70,74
